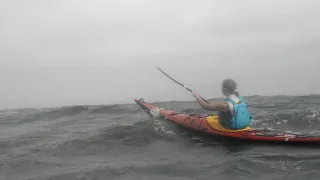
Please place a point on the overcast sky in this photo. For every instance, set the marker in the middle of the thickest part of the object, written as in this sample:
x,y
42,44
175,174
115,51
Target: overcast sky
x,y
72,52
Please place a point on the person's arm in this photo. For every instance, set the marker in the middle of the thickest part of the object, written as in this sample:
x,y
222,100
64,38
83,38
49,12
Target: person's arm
x,y
219,106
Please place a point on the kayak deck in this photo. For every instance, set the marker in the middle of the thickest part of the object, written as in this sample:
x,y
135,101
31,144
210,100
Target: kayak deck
x,y
201,124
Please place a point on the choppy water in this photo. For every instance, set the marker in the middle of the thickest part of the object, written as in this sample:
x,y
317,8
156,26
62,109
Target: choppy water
x,y
122,142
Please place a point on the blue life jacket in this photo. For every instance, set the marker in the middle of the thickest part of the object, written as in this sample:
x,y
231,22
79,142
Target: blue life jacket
x,y
241,117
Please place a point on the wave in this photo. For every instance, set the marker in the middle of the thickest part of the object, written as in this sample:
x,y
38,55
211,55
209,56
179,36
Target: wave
x,y
54,114
51,114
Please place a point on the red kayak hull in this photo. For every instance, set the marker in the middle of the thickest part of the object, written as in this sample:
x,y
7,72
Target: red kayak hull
x,y
199,123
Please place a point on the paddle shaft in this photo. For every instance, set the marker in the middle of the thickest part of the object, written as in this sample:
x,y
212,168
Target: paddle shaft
x,y
186,87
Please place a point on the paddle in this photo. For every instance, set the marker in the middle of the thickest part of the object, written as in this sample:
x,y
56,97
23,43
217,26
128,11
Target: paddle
x,y
186,87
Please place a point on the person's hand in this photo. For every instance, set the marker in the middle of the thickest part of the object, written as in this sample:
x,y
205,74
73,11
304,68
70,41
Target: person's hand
x,y
195,94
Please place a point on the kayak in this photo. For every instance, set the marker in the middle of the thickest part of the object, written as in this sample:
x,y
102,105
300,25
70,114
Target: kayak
x,y
210,125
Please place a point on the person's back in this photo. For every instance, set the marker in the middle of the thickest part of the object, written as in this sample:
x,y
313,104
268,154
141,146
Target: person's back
x,y
233,112
237,116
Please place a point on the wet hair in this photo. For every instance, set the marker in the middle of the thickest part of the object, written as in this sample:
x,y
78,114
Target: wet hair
x,y
230,86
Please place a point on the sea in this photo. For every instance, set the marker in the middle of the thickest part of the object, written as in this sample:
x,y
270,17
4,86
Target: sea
x,y
121,142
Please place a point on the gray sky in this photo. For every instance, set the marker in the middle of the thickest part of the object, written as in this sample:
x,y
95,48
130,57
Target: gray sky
x,y
67,52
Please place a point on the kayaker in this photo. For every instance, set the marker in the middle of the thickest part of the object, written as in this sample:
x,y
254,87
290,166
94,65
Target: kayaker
x,y
227,108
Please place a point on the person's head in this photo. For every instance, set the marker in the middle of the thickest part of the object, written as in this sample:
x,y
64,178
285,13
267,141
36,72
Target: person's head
x,y
229,87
